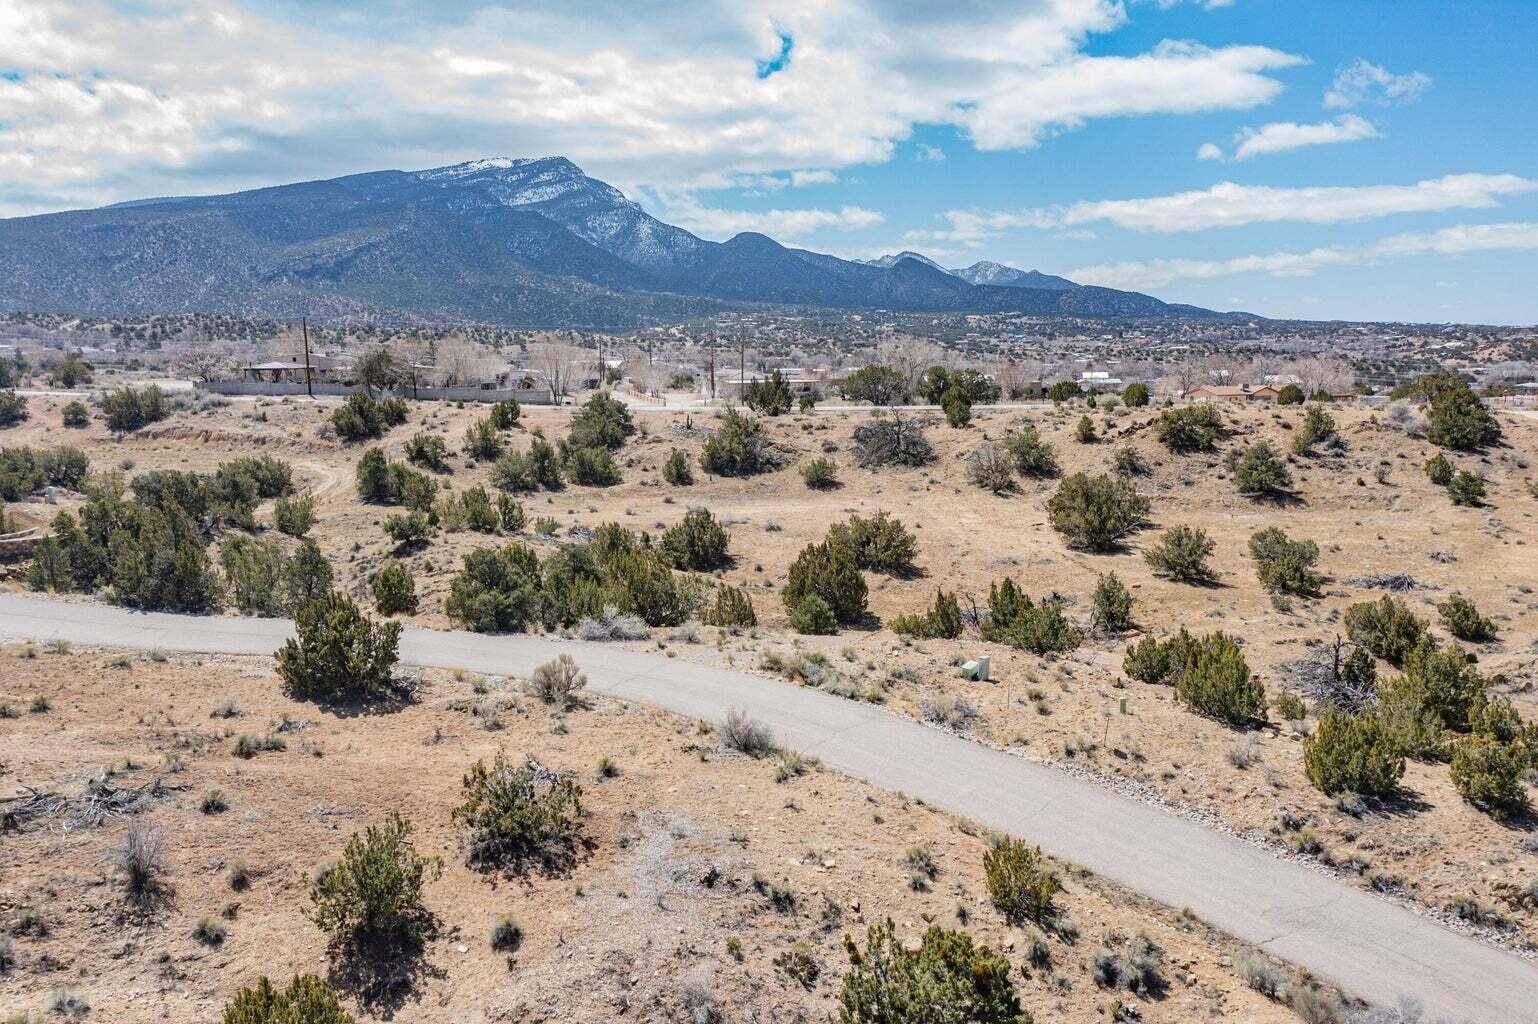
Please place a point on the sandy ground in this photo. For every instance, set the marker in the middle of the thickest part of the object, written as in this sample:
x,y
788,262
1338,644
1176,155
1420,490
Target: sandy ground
x,y
1430,847
638,928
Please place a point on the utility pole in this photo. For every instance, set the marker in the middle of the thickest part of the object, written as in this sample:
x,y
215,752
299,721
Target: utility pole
x,y
712,337
309,386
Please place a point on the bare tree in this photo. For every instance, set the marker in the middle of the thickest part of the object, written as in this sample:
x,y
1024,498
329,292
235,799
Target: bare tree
x,y
202,360
559,362
1324,373
1185,375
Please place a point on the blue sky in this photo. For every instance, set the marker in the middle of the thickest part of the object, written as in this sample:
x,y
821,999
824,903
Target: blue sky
x,y
1310,158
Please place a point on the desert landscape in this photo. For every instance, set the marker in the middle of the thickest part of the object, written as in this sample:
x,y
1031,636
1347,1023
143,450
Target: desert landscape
x,y
667,802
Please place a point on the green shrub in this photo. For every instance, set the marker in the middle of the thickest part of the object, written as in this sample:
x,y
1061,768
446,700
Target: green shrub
x,y
878,543
24,471
75,414
408,530
1016,620
497,591
1064,391
128,409
1217,682
294,516
430,452
829,571
738,447
1111,605
504,414
395,592
537,469
393,411
1386,628
307,1000
971,385
1318,427
1134,396
483,441
337,652
1439,469
1150,661
813,617
592,467
1033,457
262,476
479,513
1261,470
732,608
1353,754
307,574
602,422
360,418
946,979
1084,431
820,474
676,469
1181,553
878,385
1093,513
894,439
698,543
1438,693
254,570
13,408
1466,489
640,583
1290,394
769,396
1191,428
941,622
1021,883
1488,773
371,902
393,483
517,816
1283,565
1459,420
510,513
1290,707
1461,618
957,408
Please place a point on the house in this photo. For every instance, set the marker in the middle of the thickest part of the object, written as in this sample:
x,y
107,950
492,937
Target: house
x,y
1233,392
801,382
1098,380
294,370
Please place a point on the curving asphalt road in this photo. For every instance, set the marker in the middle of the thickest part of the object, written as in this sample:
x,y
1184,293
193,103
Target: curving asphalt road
x,y
1368,946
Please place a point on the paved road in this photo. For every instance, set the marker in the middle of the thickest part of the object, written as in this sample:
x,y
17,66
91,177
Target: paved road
x,y
1368,946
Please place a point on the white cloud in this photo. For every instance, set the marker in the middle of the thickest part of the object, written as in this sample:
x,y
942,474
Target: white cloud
x,y
1209,151
114,101
1028,104
971,227
1281,136
712,222
1361,82
1209,5
1228,204
929,154
1452,241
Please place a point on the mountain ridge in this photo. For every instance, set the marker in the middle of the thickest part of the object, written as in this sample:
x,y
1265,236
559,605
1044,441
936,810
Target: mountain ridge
x,y
514,241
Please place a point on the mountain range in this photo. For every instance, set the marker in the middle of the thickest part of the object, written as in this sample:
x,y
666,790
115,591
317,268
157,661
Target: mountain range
x,y
983,272
524,242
